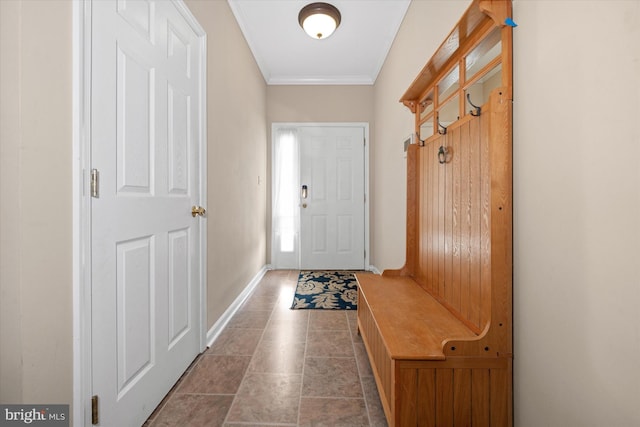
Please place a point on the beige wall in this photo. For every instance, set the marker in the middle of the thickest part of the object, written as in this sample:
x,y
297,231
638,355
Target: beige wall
x,y
315,104
35,202
237,158
424,27
319,104
10,335
576,199
577,213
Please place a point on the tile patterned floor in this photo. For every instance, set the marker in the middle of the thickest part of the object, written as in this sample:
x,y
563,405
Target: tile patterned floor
x,y
273,366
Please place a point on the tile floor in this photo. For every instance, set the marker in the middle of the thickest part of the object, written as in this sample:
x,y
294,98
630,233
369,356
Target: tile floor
x,y
273,366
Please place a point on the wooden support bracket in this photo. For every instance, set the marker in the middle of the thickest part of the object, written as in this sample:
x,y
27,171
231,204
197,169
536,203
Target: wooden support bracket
x,y
497,10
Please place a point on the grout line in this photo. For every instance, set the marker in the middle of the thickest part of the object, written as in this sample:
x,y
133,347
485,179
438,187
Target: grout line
x,y
249,423
304,361
333,357
207,394
255,350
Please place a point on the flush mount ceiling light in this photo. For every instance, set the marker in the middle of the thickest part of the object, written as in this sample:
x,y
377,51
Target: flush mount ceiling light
x,y
319,20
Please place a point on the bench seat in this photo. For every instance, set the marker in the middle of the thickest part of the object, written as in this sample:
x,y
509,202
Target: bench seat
x,y
412,323
405,331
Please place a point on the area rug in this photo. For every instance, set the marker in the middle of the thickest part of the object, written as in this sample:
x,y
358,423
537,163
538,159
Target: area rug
x,y
329,290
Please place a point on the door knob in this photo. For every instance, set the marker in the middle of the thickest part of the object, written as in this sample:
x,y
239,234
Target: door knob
x,y
197,210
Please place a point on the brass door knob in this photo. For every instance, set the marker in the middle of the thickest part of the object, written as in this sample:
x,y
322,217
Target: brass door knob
x,y
197,210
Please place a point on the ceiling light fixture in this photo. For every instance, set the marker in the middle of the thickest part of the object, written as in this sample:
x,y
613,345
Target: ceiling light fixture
x,y
319,20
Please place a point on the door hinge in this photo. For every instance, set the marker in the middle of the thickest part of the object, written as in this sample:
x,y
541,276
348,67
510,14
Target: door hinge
x,y
95,419
365,254
95,183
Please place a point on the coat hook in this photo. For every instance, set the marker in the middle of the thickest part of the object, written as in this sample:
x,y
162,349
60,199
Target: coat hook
x,y
476,110
444,128
443,153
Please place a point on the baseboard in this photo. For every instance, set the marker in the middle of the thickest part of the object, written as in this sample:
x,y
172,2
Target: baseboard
x,y
374,269
218,327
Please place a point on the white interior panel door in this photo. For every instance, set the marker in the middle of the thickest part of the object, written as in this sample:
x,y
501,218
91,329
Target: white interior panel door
x,y
332,198
145,139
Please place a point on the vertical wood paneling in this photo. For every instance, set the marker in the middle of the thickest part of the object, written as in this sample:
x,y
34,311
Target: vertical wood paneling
x,y
441,185
428,211
426,398
449,286
474,237
381,362
428,274
435,175
500,397
420,273
444,397
465,227
485,229
454,221
480,398
462,397
456,166
413,174
408,397
452,294
420,229
425,231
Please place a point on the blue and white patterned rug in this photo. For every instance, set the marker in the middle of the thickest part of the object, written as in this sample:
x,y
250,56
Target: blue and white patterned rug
x,y
333,290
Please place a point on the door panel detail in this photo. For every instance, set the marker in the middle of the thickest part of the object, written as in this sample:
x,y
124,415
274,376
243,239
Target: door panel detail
x,y
345,231
180,52
179,115
178,284
344,178
135,83
140,15
319,234
135,307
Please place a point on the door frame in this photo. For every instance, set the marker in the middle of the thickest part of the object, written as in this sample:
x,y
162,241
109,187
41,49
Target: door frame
x,y
81,218
275,126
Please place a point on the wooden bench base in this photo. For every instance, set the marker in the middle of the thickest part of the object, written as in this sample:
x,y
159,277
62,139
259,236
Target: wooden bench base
x,y
404,330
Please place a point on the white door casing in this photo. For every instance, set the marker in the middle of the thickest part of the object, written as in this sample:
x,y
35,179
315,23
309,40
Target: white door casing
x,y
332,216
147,251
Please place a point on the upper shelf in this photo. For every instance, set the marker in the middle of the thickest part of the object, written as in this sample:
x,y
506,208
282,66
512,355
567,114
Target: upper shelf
x,y
480,17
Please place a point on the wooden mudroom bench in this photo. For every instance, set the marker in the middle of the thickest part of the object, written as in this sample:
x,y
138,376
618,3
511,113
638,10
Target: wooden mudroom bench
x,y
438,331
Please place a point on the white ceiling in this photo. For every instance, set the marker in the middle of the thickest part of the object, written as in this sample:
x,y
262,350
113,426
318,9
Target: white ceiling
x,y
353,54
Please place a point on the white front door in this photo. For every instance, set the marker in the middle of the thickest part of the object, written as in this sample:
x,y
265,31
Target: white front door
x,y
332,191
146,245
